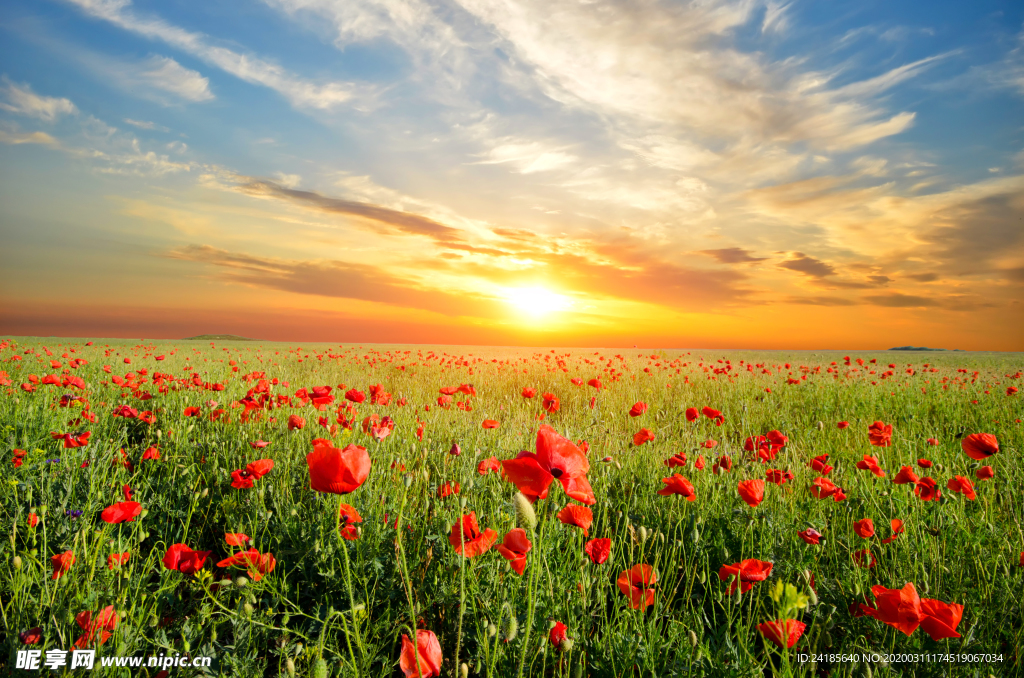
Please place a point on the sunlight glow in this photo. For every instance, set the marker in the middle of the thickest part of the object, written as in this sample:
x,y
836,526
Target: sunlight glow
x,y
536,301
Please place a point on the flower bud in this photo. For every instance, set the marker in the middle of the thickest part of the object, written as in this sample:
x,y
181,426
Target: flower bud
x,y
241,581
407,480
16,561
320,668
289,667
565,645
464,670
526,517
643,534
693,638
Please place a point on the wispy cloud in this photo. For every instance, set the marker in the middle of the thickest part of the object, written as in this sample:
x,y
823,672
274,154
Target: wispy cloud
x,y
20,99
144,124
248,67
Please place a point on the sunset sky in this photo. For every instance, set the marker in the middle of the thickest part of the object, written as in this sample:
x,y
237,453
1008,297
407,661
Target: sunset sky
x,y
805,175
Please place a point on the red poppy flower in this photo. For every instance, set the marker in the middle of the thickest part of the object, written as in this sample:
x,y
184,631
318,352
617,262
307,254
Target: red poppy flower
x,y
115,560
899,608
183,559
578,516
550,403
718,417
870,463
71,440
879,434
676,460
724,463
924,463
692,414
783,632
236,538
468,532
33,520
638,409
295,422
864,528
529,392
348,516
490,423
337,471
32,636
819,464
927,489
811,536
864,558
241,480
447,490
747,572
61,563
491,464
843,424
940,619
677,484
963,486
980,446
598,550
95,628
985,473
556,457
596,383
932,441
121,512
558,633
906,476
455,450
751,491
699,464
634,583
823,488
708,444
642,436
257,565
422,659
260,467
778,477
514,549
897,528
355,396
258,444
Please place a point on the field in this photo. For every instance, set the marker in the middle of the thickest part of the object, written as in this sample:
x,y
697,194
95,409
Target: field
x,y
117,451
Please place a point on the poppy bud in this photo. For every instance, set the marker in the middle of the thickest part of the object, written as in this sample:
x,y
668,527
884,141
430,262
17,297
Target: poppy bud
x,y
509,624
492,630
407,481
693,638
455,450
42,509
426,475
643,534
241,581
289,667
738,594
205,493
812,598
526,517
577,671
16,562
464,670
320,668
153,621
213,634
695,534
565,645
701,577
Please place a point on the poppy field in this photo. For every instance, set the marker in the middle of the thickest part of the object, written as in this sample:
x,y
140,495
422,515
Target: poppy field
x,y
325,510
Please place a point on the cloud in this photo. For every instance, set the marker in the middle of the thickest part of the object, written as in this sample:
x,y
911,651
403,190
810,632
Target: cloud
x,y
404,222
337,279
142,124
897,300
801,263
27,138
528,158
821,301
168,75
250,68
22,100
970,236
732,255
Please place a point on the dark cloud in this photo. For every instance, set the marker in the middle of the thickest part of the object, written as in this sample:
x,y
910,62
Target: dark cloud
x,y
896,300
732,255
923,277
973,234
405,222
801,263
822,301
879,279
337,279
1014,274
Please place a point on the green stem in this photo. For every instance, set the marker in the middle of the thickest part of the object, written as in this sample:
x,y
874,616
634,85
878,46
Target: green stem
x,y
408,582
351,597
462,594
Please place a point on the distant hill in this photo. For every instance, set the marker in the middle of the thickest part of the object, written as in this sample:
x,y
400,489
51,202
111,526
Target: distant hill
x,y
218,337
919,348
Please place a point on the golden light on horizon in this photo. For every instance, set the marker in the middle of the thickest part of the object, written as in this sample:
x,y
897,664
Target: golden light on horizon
x,y
536,301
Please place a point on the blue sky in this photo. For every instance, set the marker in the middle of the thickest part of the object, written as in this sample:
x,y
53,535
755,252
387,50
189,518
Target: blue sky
x,y
525,171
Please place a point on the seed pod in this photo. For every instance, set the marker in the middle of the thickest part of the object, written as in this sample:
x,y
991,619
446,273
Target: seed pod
x,y
407,480
565,645
509,624
320,668
462,502
289,667
464,670
526,517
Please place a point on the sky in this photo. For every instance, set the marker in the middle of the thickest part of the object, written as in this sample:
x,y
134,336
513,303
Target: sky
x,y
767,175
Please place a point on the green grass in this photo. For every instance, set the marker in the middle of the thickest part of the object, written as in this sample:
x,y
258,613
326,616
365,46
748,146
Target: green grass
x,y
953,550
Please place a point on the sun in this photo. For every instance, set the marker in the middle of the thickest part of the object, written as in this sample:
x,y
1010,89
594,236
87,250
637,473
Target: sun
x,y
536,301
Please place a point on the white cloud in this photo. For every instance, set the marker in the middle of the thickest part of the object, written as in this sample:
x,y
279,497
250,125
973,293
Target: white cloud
x,y
22,100
168,75
299,91
143,124
527,157
27,138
